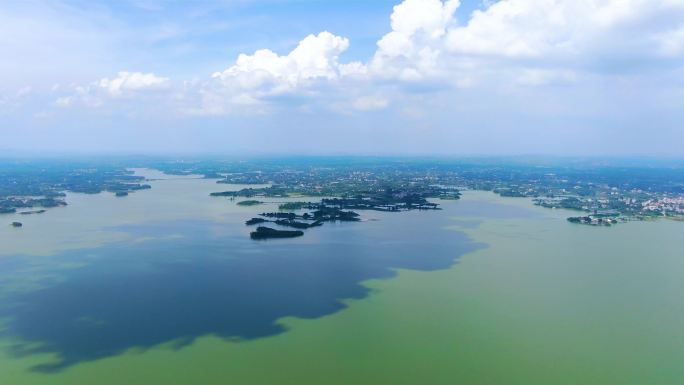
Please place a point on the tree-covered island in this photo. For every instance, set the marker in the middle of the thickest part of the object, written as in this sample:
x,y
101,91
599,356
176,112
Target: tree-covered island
x,y
267,232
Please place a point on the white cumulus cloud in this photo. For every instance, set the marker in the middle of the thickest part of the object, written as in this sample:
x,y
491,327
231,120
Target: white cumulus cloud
x,y
413,48
267,73
544,29
504,45
527,42
125,84
255,80
132,81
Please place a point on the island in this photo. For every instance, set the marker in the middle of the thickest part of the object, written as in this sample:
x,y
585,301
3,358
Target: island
x,y
249,203
32,212
267,232
593,220
297,224
255,221
293,206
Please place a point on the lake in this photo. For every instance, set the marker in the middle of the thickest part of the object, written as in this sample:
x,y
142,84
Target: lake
x,y
164,286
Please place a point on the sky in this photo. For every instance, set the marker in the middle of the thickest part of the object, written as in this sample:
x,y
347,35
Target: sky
x,y
417,77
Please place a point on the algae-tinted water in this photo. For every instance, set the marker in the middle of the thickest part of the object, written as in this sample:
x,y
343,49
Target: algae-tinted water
x,y
178,294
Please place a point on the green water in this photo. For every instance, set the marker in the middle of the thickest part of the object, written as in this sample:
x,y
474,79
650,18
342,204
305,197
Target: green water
x,y
545,302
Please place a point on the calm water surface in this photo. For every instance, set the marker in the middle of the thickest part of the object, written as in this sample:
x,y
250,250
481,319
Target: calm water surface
x,y
165,287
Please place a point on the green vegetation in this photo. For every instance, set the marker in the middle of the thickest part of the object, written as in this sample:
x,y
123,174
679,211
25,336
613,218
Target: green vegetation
x,y
593,220
630,190
293,206
297,224
267,232
249,203
223,194
32,212
255,221
43,183
268,192
605,188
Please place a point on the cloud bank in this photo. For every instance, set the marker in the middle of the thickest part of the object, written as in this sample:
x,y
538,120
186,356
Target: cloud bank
x,y
508,44
511,43
125,84
509,75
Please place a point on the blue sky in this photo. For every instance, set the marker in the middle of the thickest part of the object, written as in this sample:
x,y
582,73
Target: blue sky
x,y
584,77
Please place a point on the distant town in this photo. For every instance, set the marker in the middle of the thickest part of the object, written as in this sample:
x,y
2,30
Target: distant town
x,y
602,195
